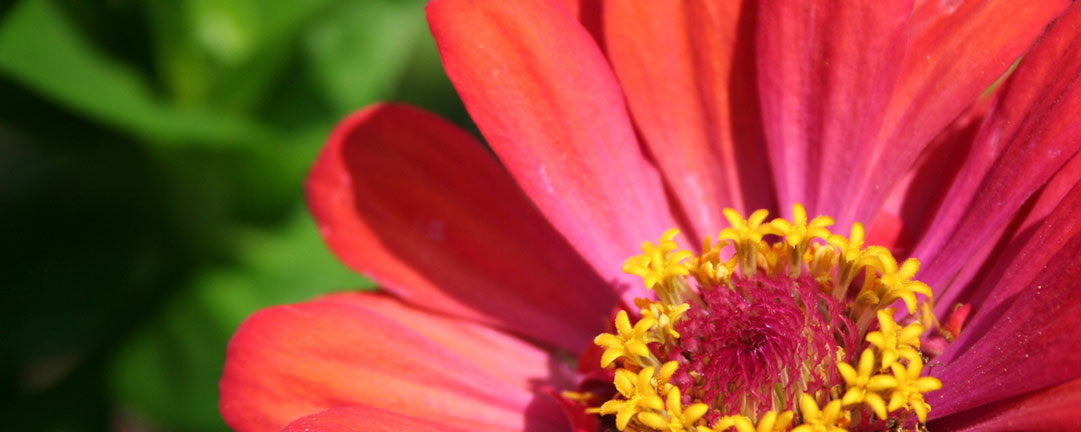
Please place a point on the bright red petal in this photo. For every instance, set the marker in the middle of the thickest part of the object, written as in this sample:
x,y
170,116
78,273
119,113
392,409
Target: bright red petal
x,y
1023,335
1031,132
916,198
362,418
1054,409
416,203
826,70
956,50
687,69
546,100
291,361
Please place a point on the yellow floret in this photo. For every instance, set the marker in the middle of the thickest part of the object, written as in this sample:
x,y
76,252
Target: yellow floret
x,y
828,419
746,236
893,341
906,388
629,342
798,234
856,379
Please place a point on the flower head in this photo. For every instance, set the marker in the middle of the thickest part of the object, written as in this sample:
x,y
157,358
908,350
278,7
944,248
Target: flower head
x,y
952,301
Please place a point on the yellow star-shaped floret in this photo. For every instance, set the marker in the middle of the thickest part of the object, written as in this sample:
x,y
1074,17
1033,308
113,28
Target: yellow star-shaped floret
x,y
658,262
771,421
798,233
639,392
676,418
906,388
665,315
828,419
746,236
856,379
896,283
629,341
894,342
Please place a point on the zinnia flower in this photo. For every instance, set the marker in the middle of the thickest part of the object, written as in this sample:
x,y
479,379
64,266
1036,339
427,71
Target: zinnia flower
x,y
530,293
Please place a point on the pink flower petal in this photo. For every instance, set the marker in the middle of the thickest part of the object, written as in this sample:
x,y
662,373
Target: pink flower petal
x,y
956,50
687,69
916,198
1053,409
546,100
362,418
1023,333
1031,132
825,71
416,203
291,361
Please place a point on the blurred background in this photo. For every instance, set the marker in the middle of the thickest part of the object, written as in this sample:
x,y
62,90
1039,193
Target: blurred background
x,y
152,158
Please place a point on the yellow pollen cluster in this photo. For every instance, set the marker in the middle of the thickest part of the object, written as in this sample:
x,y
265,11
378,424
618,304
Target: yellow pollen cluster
x,y
884,381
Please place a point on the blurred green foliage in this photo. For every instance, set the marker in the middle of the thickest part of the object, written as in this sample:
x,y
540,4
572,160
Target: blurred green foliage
x,y
152,157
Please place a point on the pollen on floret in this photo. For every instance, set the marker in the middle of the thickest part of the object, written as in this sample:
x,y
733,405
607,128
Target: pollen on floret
x,y
778,325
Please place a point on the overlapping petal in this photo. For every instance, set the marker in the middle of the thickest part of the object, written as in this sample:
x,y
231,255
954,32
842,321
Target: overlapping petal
x,y
826,71
1031,132
956,50
292,361
1023,335
850,96
548,104
1053,409
697,114
415,203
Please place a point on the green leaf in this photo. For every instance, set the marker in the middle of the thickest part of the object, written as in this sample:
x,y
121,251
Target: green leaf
x,y
170,369
41,48
359,53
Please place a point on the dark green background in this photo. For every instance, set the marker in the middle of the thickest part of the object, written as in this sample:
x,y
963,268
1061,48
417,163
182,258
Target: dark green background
x,y
152,157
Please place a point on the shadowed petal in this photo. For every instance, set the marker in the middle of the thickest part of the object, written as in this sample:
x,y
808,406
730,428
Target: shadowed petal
x,y
687,69
1030,133
916,198
362,418
956,50
416,203
547,102
290,361
1023,335
826,70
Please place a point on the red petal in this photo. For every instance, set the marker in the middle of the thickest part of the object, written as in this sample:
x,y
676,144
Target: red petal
x,y
416,203
916,198
1023,335
687,71
826,70
544,97
362,418
956,50
1031,132
1054,409
290,361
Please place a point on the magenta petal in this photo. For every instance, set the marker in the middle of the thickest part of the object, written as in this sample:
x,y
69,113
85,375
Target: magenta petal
x,y
1053,409
546,100
418,205
956,50
826,70
1024,336
1030,133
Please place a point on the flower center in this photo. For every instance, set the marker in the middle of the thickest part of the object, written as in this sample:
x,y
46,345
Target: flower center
x,y
769,328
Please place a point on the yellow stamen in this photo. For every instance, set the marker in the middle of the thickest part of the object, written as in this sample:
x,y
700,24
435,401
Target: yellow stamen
x,y
828,419
893,341
885,376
